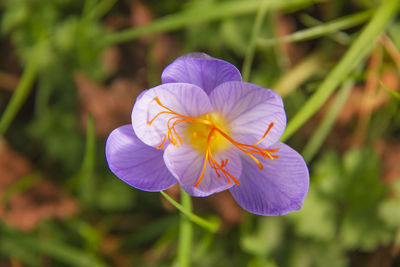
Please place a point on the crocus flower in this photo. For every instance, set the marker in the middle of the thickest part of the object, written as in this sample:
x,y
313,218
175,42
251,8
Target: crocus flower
x,y
206,129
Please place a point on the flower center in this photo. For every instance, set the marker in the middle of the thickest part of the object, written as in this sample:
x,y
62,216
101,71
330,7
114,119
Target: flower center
x,y
210,133
197,133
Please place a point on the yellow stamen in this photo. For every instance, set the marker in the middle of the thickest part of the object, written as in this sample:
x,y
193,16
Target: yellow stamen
x,y
210,125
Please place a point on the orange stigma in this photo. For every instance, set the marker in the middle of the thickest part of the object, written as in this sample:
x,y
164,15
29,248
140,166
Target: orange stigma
x,y
210,126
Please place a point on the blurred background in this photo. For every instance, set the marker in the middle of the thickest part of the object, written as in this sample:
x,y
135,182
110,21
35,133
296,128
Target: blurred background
x,y
69,74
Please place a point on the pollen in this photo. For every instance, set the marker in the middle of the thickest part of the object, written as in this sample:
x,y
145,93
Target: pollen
x,y
197,134
208,134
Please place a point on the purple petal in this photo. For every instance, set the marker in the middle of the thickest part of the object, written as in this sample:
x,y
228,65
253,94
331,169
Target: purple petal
x,y
250,109
186,164
185,99
202,70
135,163
276,190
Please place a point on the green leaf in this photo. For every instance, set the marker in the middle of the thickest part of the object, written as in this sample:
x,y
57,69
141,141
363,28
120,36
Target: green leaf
x,y
261,262
363,231
362,167
11,248
317,218
328,174
149,231
59,251
233,33
114,195
266,239
316,254
348,192
389,211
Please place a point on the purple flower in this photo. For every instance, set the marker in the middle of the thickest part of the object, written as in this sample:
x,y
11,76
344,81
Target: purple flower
x,y
206,129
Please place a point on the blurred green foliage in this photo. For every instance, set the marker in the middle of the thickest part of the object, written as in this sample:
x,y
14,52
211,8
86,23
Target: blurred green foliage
x,y
346,209
349,211
61,37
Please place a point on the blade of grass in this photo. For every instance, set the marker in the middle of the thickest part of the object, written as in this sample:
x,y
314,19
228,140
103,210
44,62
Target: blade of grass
x,y
320,30
392,50
88,5
101,9
90,235
205,13
20,95
356,53
251,48
13,250
299,74
149,232
395,95
166,240
87,189
55,249
212,226
203,245
324,128
339,36
20,185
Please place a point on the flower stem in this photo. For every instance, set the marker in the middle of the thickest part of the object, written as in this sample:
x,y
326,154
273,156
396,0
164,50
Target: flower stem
x,y
210,225
185,232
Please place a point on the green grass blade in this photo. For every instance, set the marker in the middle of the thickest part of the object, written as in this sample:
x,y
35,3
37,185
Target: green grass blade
x,y
20,185
248,59
10,248
201,14
87,189
149,232
251,48
394,94
212,226
356,53
340,37
59,251
20,95
320,30
324,128
101,9
311,65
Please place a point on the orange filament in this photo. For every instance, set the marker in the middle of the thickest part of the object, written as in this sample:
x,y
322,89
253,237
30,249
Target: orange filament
x,y
213,163
249,150
171,128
